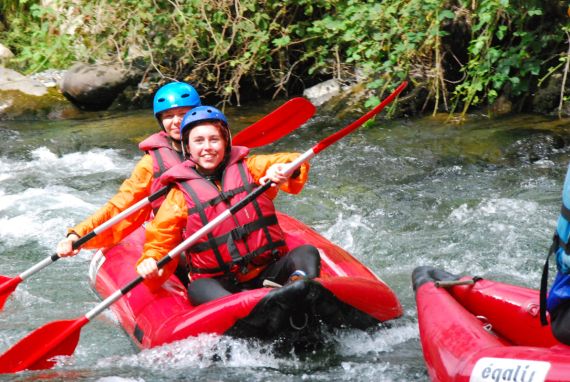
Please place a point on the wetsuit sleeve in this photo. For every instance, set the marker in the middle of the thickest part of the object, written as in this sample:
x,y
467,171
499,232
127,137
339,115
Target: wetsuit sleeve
x,y
258,165
133,189
164,233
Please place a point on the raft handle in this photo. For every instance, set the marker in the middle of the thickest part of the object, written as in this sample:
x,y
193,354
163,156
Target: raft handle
x,y
487,326
451,283
271,284
303,326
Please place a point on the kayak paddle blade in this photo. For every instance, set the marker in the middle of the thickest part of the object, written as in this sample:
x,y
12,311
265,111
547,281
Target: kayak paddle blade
x,y
37,350
7,286
283,120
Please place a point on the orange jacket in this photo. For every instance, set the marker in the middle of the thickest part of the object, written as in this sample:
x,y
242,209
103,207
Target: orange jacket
x,y
133,189
166,229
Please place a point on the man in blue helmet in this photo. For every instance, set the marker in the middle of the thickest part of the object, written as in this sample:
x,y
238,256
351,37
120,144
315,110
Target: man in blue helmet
x,y
162,151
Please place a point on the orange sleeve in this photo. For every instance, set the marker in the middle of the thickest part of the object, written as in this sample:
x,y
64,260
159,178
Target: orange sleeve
x,y
164,233
258,165
133,189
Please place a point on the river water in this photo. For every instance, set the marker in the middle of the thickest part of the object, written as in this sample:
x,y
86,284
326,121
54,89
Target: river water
x,y
480,198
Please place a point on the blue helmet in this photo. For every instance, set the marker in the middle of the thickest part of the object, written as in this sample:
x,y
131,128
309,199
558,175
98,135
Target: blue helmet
x,y
205,114
202,114
175,94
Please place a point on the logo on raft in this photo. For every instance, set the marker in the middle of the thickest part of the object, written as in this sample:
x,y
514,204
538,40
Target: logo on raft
x,y
509,370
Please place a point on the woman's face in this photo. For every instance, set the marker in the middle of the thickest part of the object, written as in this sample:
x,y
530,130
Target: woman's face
x,y
171,120
206,146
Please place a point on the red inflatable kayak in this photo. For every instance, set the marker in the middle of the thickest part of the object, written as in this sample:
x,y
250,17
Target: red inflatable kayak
x,y
484,331
346,295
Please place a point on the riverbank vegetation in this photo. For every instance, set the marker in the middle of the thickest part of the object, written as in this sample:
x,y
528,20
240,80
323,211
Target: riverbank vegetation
x,y
460,53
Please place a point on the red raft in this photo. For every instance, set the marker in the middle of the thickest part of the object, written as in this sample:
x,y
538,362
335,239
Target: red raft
x,y
484,331
346,295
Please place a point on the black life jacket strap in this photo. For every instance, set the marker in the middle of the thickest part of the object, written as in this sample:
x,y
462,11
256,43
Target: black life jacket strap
x,y
255,203
223,196
565,212
161,165
158,156
544,279
202,213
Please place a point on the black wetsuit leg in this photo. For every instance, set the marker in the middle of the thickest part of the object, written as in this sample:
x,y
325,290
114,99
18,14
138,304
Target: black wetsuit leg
x,y
305,258
208,289
560,322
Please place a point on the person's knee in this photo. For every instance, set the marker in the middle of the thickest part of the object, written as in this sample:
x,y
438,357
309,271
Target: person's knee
x,y
204,290
560,323
311,260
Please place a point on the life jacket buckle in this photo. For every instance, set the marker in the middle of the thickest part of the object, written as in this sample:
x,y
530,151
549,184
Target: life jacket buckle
x,y
240,233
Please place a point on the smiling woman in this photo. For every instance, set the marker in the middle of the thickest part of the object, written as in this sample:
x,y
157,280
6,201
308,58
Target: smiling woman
x,y
217,177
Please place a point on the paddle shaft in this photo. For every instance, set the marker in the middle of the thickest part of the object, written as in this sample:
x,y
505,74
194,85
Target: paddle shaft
x,y
101,228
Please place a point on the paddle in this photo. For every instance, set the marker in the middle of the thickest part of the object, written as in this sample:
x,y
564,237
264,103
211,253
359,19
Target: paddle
x,y
284,120
275,125
60,338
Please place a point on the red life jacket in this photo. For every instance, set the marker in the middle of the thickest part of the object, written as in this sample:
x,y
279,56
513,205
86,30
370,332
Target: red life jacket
x,y
164,157
250,237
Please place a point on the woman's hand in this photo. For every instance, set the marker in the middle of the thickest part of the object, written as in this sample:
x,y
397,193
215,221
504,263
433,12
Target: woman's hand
x,y
148,269
275,174
65,247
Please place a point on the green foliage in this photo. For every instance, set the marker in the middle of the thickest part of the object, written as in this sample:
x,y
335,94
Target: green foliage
x,y
508,46
222,44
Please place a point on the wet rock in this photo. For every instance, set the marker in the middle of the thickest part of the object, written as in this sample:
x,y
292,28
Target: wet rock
x,y
501,106
535,145
95,87
546,100
15,105
321,93
23,97
49,78
5,53
12,80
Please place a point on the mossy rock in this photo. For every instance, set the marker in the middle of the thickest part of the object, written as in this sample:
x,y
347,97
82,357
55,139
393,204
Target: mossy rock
x,y
15,104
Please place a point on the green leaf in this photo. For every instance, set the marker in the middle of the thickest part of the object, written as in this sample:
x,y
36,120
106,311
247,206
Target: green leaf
x,y
445,14
282,41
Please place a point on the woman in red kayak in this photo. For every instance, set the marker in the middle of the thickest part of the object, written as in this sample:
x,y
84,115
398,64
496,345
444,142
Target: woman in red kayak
x,y
242,251
162,151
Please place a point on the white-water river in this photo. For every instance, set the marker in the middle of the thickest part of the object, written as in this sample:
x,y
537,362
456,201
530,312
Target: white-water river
x,y
481,198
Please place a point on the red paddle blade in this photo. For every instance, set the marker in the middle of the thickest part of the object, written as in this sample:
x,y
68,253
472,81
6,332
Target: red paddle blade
x,y
37,350
7,286
280,122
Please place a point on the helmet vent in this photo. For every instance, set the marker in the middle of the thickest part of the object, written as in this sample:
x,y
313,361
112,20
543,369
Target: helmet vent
x,y
185,95
161,99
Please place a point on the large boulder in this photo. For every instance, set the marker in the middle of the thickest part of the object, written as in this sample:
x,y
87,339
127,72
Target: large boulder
x,y
546,99
94,87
